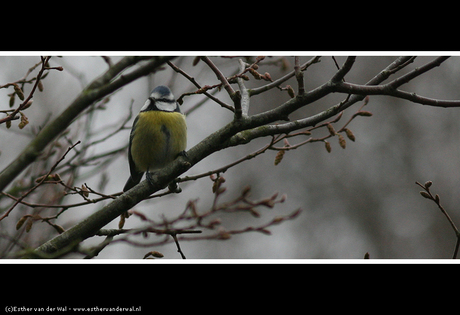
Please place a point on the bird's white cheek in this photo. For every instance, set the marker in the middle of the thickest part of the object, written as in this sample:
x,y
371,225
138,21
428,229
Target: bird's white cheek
x,y
146,104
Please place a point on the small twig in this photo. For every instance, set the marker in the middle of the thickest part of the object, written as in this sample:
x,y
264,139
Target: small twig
x,y
427,194
235,96
42,180
191,79
44,61
278,82
179,250
299,75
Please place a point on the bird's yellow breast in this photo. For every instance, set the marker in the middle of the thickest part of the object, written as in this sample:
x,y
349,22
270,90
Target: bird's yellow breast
x,y
157,139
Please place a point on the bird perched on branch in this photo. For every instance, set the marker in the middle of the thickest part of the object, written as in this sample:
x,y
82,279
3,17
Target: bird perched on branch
x,y
158,136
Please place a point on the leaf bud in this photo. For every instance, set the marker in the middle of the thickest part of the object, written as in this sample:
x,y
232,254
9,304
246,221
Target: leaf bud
x,y
342,141
21,222
224,235
425,194
279,156
29,224
366,100
255,74
290,91
154,254
24,121
364,113
12,99
19,92
267,77
196,60
122,222
27,105
277,219
84,191
350,134
331,129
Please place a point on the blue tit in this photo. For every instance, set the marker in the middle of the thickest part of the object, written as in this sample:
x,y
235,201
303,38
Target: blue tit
x,y
158,135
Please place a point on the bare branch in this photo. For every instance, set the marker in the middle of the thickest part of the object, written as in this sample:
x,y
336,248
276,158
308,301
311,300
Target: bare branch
x,y
426,193
191,79
233,95
283,79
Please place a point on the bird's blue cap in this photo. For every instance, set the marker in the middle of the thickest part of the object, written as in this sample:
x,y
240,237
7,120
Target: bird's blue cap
x,y
162,91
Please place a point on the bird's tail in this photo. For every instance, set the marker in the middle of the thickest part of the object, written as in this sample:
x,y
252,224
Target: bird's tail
x,y
132,181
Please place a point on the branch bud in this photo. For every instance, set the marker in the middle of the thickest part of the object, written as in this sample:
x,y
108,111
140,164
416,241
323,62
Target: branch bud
x,y
19,92
350,134
84,191
290,91
331,129
154,254
29,224
224,235
12,99
21,222
342,141
27,105
364,113
425,194
267,77
196,60
255,74
24,121
279,157
366,100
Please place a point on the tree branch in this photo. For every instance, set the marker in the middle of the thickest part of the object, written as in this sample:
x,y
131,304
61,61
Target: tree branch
x,y
239,131
283,79
427,194
344,70
233,95
243,109
191,79
99,88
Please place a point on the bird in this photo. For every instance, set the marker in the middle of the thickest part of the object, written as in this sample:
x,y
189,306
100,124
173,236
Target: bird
x,y
158,136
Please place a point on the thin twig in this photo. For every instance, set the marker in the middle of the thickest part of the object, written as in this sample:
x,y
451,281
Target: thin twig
x,y
191,79
42,180
427,194
220,76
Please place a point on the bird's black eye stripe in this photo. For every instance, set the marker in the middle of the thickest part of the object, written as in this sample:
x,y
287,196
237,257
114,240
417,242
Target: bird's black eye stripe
x,y
165,100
